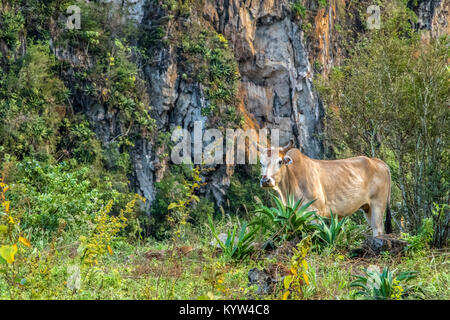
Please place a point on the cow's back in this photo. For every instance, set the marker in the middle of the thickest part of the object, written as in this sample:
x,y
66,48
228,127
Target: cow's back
x,y
343,186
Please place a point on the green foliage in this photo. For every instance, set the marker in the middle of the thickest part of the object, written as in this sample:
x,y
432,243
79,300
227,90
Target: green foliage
x,y
30,102
168,190
113,78
285,221
209,59
298,278
179,210
333,234
103,231
200,211
323,3
11,23
299,9
244,194
177,203
81,141
179,8
237,245
382,285
422,239
441,221
51,195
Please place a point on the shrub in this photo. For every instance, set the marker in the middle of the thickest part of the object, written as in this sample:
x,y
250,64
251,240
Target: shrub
x,y
294,282
50,194
382,285
244,195
333,233
208,59
285,221
298,9
103,230
422,239
30,98
180,209
11,235
11,24
237,245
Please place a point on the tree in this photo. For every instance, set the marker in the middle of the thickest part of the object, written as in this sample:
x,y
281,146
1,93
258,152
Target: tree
x,y
390,100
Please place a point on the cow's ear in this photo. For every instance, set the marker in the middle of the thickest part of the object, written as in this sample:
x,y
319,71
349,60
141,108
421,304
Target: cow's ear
x,y
287,160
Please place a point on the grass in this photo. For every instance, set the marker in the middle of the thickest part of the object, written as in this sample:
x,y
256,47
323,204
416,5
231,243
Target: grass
x,y
147,270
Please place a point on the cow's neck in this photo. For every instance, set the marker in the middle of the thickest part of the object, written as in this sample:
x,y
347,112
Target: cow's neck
x,y
293,176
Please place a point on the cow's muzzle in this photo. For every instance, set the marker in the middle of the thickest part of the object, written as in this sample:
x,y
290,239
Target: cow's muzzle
x,y
266,182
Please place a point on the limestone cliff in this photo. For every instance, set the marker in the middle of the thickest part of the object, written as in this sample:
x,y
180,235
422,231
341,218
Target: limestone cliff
x,y
275,86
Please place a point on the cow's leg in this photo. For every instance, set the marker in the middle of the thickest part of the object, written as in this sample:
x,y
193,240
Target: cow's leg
x,y
376,219
366,209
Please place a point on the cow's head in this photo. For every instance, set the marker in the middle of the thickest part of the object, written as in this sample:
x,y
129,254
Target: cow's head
x,y
273,160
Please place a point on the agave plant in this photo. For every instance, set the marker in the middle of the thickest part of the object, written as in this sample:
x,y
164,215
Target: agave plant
x,y
381,285
331,234
237,245
285,221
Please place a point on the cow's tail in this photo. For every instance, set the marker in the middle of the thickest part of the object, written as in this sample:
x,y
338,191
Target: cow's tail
x,y
388,221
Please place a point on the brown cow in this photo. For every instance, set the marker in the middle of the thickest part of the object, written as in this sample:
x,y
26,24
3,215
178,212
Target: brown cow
x,y
340,186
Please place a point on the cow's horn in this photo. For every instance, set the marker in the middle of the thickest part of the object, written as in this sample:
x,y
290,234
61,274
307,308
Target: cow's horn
x,y
289,146
258,146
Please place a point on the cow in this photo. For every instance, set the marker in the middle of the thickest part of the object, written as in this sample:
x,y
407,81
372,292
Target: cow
x,y
339,186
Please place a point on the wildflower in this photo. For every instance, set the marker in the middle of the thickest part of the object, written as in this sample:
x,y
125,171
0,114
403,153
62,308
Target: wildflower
x,y
397,290
6,205
25,242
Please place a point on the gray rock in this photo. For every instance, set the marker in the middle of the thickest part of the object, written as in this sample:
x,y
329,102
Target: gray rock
x,y
374,246
222,237
262,279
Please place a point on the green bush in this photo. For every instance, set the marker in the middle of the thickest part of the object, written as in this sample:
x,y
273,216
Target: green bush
x,y
244,192
237,245
31,100
382,285
331,234
11,24
422,239
53,195
284,221
209,61
299,9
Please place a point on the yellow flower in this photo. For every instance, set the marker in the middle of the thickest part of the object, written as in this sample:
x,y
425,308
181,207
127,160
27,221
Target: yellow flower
x,y
25,242
6,205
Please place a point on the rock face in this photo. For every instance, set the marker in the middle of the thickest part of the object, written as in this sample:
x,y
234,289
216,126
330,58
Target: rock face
x,y
275,72
433,16
275,87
